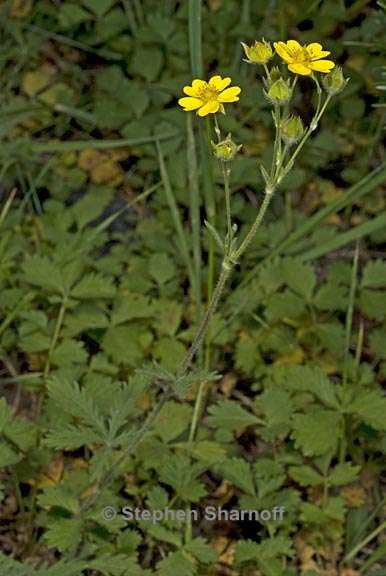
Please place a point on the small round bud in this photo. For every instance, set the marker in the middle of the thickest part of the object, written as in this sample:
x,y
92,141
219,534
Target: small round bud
x,y
334,81
258,53
279,92
226,150
292,129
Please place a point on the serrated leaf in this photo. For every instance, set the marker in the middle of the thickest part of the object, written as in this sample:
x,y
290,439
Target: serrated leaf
x,y
40,271
305,475
179,473
93,285
176,563
344,473
229,415
201,550
277,406
370,406
238,471
317,432
63,534
299,276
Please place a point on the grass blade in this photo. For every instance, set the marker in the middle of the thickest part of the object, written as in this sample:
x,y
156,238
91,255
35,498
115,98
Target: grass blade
x,y
195,33
344,238
57,146
182,241
194,198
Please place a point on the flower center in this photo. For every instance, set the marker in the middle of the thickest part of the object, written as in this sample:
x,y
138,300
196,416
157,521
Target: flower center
x,y
208,93
301,56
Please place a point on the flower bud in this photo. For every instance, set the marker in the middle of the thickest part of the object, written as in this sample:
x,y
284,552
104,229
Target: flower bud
x,y
334,81
279,92
292,129
258,53
226,150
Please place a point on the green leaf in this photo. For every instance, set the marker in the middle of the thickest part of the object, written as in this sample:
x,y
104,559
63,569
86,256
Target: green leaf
x,y
69,352
374,274
229,415
208,451
176,563
317,432
147,62
299,276
22,432
344,473
93,285
130,305
284,305
98,7
177,414
5,413
8,457
201,550
377,341
161,268
92,204
238,471
40,271
121,344
305,475
370,406
277,406
373,303
179,473
63,534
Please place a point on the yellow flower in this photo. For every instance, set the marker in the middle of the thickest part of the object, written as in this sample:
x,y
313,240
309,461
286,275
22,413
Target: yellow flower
x,y
208,97
304,59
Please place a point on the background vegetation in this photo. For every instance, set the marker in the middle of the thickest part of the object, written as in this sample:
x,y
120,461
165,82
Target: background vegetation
x,y
95,158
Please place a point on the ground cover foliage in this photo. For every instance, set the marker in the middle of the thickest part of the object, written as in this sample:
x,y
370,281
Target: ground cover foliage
x,y
95,289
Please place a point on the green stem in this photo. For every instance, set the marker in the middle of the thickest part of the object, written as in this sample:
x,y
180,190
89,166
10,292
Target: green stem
x,y
55,336
313,125
202,330
255,226
226,175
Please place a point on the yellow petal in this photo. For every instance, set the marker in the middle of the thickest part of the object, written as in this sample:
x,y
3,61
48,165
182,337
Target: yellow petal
x,y
281,49
219,83
189,103
293,46
322,65
196,88
209,108
299,69
315,51
230,94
